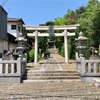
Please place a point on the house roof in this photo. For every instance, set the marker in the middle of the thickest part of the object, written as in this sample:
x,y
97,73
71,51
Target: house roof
x,y
11,38
3,9
15,20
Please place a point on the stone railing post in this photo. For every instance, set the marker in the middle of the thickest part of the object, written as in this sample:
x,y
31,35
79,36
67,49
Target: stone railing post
x,y
82,65
6,70
1,67
89,68
76,55
24,62
19,65
95,68
12,68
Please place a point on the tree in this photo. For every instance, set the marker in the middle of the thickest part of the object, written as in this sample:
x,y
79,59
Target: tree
x,y
86,24
41,24
49,23
70,17
79,11
96,27
59,21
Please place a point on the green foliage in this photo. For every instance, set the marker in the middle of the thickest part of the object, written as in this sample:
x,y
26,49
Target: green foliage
x,y
89,23
62,51
79,11
59,42
47,53
71,47
96,27
41,24
59,21
49,23
42,43
30,55
70,17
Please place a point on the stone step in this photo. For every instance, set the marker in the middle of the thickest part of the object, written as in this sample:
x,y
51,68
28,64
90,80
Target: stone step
x,y
50,77
51,80
52,74
57,71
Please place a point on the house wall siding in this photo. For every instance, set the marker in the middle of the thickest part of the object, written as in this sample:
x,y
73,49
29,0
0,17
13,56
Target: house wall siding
x,y
9,30
16,32
3,45
3,24
12,46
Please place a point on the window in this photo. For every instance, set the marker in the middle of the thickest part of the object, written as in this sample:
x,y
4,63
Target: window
x,y
0,55
13,27
4,51
22,30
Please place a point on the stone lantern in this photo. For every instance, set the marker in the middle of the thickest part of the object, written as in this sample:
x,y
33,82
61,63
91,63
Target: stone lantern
x,y
81,39
21,44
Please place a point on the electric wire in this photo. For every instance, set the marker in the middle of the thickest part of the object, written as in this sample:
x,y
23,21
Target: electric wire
x,y
4,2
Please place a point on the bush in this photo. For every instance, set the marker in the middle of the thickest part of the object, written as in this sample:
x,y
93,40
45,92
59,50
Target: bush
x,y
30,55
47,53
62,52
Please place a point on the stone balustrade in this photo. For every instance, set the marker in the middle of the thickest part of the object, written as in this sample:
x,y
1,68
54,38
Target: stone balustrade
x,y
88,67
12,70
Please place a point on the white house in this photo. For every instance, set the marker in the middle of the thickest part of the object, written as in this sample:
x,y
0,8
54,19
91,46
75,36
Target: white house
x,y
15,26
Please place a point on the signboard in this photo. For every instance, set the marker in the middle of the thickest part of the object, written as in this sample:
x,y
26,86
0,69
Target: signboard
x,y
51,30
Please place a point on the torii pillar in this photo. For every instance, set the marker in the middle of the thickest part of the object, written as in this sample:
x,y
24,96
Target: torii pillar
x,y
36,47
66,46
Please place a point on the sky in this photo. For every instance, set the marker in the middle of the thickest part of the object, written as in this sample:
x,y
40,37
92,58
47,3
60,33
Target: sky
x,y
35,12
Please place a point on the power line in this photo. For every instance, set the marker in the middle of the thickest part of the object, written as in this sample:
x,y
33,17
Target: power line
x,y
3,2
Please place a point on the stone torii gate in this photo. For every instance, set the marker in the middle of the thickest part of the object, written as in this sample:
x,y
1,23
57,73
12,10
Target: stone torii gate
x,y
65,33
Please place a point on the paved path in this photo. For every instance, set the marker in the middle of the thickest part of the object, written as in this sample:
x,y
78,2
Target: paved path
x,y
51,64
60,61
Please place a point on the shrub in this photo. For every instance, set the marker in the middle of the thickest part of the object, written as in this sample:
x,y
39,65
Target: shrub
x,y
30,55
62,52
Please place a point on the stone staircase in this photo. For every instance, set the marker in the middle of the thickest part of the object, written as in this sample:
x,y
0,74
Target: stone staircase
x,y
74,90
37,75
